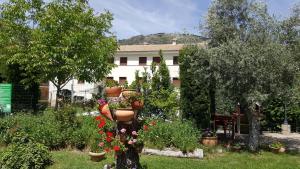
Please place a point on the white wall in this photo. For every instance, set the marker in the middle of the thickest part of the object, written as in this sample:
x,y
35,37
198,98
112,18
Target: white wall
x,y
127,71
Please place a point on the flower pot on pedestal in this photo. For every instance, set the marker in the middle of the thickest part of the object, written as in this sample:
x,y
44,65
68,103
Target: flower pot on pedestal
x,y
209,141
97,156
124,115
126,93
113,91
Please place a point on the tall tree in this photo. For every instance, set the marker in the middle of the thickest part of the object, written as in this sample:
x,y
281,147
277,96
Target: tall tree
x,y
164,73
249,62
69,41
194,87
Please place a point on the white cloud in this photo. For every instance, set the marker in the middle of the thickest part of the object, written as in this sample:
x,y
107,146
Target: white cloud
x,y
137,18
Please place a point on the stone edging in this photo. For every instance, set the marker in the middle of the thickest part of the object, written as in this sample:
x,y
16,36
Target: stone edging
x,y
198,153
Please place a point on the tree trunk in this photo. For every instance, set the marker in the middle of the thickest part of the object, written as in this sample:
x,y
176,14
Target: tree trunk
x,y
254,130
57,97
130,158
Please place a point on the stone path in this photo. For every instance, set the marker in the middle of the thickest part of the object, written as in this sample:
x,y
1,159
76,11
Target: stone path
x,y
291,141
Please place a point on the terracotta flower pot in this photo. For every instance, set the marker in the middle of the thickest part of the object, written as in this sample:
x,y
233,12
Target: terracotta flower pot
x,y
137,105
126,93
104,110
209,141
113,91
236,148
277,150
97,156
124,114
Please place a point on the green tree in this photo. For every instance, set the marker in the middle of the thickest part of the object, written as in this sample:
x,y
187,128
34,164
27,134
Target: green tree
x,y
249,63
164,73
194,88
159,96
69,41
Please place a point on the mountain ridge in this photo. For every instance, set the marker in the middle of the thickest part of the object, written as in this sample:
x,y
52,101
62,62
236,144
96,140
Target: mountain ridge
x,y
162,38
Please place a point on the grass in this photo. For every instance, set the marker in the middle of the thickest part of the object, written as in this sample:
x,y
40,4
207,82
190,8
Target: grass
x,y
265,160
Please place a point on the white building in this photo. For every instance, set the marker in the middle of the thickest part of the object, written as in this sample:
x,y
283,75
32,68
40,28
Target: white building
x,y
128,59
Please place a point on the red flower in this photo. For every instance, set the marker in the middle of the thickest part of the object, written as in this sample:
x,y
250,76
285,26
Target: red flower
x,y
98,118
116,148
109,134
100,132
107,150
101,124
146,128
108,139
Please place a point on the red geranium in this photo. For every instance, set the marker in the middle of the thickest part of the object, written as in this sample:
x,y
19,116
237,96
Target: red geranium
x,y
116,148
146,128
107,150
98,118
109,134
108,139
101,124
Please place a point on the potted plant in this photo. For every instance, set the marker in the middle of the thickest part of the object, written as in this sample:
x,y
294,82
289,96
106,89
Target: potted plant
x,y
122,111
104,109
136,101
236,147
277,147
209,138
112,88
96,151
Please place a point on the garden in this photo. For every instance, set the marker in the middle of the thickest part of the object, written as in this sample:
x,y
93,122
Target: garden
x,y
245,81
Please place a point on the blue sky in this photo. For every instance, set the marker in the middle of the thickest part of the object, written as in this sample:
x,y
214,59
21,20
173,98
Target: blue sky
x,y
135,17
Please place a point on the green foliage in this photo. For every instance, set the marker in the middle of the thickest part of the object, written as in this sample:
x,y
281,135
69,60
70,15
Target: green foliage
x,y
164,103
69,41
53,130
165,80
66,117
276,145
160,99
226,19
25,155
194,88
179,134
136,84
111,83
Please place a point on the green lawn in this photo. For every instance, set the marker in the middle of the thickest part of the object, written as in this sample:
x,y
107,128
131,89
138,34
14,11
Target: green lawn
x,y
265,160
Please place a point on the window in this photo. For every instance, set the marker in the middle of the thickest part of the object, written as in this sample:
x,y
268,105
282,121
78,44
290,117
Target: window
x,y
80,82
142,60
175,60
123,61
156,59
176,82
122,80
109,78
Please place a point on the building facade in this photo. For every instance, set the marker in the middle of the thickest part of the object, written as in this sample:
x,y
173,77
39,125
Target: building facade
x,y
128,59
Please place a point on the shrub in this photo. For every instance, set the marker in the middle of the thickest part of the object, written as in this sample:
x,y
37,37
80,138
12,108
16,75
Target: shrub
x,y
82,136
45,129
24,153
178,134
52,129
